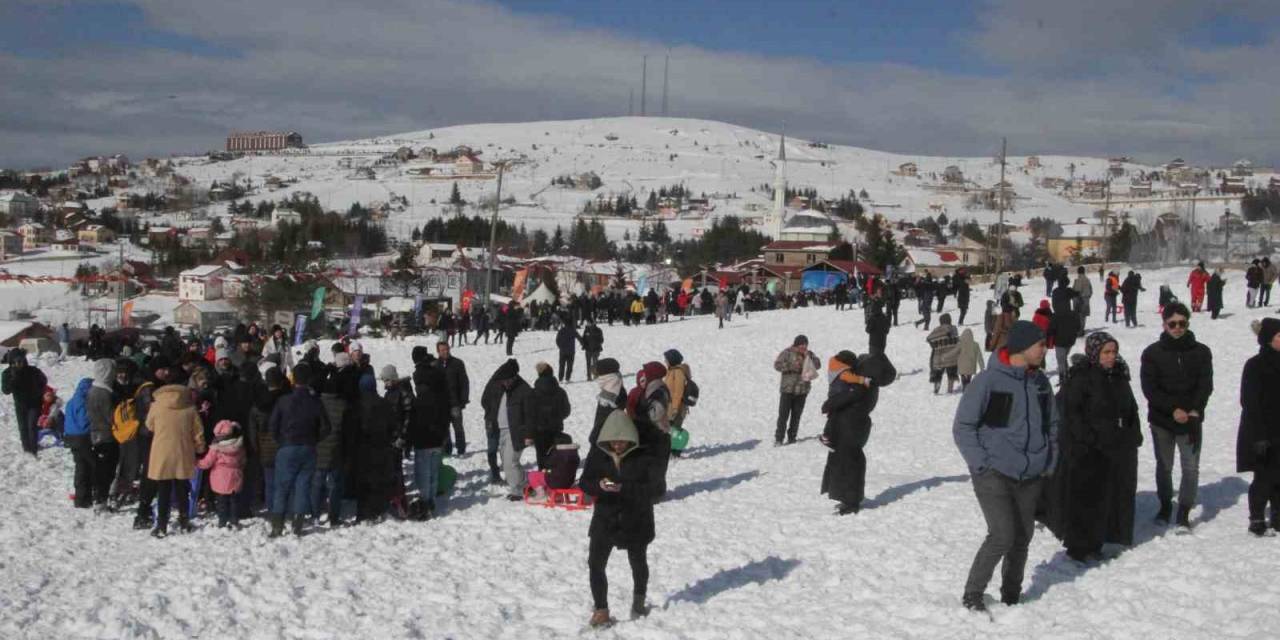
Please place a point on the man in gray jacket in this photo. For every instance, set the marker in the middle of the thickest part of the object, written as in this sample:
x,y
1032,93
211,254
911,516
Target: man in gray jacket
x,y
798,367
1006,428
100,405
1084,289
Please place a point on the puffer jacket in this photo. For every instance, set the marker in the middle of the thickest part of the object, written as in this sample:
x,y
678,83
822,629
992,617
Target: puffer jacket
x,y
945,347
790,363
1176,374
622,518
225,463
1007,421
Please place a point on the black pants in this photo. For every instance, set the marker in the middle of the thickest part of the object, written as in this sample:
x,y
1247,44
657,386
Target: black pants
x,y
565,370
592,358
226,509
82,456
1130,314
459,438
790,406
598,559
963,310
1264,295
1110,314
511,341
1264,489
482,333
27,430
105,458
893,313
165,497
130,464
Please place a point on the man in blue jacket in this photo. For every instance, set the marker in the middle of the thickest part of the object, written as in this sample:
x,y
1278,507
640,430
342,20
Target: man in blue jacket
x,y
1006,428
297,423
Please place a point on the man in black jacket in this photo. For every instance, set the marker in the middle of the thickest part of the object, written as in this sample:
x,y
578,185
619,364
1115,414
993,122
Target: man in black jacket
x,y
567,340
514,417
297,423
1177,379
592,345
455,376
512,323
26,384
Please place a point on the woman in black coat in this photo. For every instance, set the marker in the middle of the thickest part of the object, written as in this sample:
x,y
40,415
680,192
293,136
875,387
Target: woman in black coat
x,y
619,475
1214,289
1092,495
851,397
551,407
1258,440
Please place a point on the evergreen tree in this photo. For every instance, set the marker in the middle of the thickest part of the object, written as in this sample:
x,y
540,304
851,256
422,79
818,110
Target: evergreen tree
x,y
882,249
455,196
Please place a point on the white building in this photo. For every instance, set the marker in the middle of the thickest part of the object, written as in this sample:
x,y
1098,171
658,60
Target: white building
x,y
202,283
17,204
285,216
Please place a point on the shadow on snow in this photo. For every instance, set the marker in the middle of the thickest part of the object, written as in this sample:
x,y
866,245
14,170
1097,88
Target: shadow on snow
x,y
714,484
715,450
758,572
894,494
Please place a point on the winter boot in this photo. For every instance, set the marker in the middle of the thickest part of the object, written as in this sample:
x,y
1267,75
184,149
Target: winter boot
x,y
973,602
1258,527
1184,517
1162,516
277,526
937,386
847,508
600,619
1010,597
141,523
298,522
160,532
638,608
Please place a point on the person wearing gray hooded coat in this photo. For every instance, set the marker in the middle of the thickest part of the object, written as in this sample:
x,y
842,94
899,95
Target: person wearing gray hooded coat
x,y
1006,428
100,405
968,358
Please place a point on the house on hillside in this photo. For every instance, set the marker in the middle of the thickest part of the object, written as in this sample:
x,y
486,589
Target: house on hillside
x,y
18,204
953,175
95,234
281,216
937,262
430,251
1242,168
1233,184
1081,239
467,165
797,253
202,283
34,235
1033,162
908,170
1140,188
13,332
808,225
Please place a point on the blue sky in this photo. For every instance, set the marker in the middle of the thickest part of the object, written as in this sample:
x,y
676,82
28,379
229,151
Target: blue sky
x,y
1149,79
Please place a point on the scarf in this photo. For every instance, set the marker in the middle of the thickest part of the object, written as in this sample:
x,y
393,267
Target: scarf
x,y
610,387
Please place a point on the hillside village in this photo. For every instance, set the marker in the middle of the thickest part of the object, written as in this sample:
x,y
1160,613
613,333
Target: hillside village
x,y
585,205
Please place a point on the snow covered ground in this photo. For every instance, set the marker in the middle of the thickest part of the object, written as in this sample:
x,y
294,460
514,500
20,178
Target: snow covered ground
x,y
746,546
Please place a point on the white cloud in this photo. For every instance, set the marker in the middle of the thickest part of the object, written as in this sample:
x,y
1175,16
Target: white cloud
x,y
1082,77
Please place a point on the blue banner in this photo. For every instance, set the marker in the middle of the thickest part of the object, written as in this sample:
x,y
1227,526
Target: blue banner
x,y
417,305
356,307
821,280
299,329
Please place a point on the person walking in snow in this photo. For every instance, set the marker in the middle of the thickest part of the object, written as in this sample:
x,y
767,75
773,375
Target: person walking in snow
x,y
877,327
1177,380
1091,496
1064,328
625,481
944,353
592,345
799,367
550,409
567,341
1258,438
1213,293
677,380
298,422
1109,295
1129,295
514,419
1007,464
1196,281
26,384
1252,281
1084,293
968,358
851,397
459,385
1269,274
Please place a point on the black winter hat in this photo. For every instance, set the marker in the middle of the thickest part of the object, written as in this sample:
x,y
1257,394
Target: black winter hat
x,y
275,377
800,340
1022,335
847,357
1268,330
673,357
419,354
605,366
507,370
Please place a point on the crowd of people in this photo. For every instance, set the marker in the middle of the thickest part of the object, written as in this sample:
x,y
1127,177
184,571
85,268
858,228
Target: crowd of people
x,y
247,424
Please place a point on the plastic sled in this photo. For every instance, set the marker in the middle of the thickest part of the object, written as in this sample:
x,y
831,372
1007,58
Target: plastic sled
x,y
193,497
572,499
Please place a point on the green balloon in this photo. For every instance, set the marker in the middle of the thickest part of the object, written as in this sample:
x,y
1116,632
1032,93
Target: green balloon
x,y
679,439
444,484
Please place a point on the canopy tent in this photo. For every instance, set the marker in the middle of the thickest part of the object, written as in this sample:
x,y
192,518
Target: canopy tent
x,y
541,295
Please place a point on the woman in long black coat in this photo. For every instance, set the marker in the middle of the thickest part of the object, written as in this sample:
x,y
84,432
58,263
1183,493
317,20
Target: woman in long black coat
x,y
1258,440
1214,289
851,397
620,475
1092,495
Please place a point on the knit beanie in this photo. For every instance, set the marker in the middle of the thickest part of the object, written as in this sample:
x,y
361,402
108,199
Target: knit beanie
x,y
542,368
605,366
1022,335
507,370
1268,330
673,357
389,373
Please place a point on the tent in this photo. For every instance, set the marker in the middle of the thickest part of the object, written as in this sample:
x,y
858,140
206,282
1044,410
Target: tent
x,y
541,295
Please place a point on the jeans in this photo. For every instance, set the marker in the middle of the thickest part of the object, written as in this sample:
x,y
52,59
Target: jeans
x,y
1264,295
511,463
1164,442
27,431
327,488
598,559
790,405
295,465
592,358
426,472
565,370
1009,507
1110,314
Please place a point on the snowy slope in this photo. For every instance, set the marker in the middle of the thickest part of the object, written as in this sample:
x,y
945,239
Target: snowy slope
x,y
746,546
648,153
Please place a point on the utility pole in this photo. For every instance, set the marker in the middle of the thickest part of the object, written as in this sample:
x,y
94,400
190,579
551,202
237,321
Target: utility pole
x,y
666,62
120,290
631,103
644,81
1000,205
1226,250
1106,226
493,236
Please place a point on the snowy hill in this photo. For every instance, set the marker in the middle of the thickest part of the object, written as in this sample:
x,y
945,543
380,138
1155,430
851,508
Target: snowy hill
x,y
746,546
633,156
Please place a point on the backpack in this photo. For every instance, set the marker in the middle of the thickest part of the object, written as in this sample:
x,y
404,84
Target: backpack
x,y
125,420
690,398
76,414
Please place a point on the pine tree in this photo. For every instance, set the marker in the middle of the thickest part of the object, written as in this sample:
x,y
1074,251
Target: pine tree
x,y
455,196
882,249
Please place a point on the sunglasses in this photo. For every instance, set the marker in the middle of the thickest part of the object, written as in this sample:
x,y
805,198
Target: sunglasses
x,y
1178,324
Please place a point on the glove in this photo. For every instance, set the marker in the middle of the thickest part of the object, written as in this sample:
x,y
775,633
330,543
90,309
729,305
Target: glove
x,y
826,441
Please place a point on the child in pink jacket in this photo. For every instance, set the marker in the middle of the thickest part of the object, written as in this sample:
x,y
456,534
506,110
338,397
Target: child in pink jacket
x,y
225,462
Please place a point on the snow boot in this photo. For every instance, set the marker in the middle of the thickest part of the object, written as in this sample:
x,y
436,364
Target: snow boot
x,y
141,523
1258,527
1162,516
184,524
160,533
847,508
600,619
638,608
277,526
973,602
1184,517
937,386
1010,598
298,522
